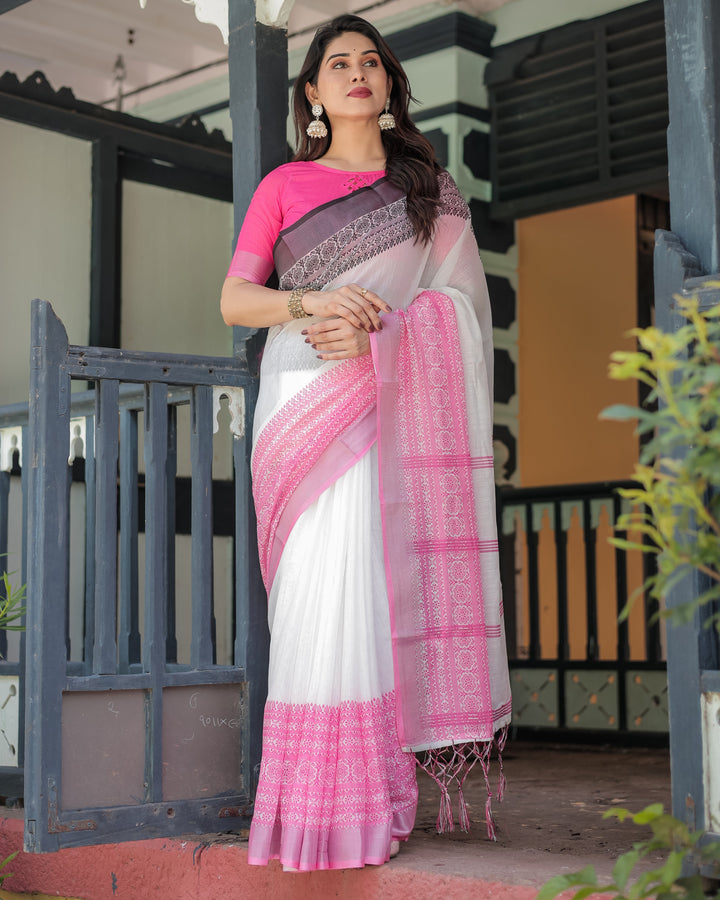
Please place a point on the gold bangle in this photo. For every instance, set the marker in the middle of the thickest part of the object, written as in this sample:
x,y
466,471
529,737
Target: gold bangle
x,y
295,307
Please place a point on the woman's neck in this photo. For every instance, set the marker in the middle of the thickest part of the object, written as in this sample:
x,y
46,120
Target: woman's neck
x,y
357,150
352,165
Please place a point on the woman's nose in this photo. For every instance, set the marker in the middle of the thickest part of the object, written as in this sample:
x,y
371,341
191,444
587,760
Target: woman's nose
x,y
358,74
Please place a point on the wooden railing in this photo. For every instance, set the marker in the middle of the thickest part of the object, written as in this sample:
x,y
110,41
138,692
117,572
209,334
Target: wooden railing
x,y
565,587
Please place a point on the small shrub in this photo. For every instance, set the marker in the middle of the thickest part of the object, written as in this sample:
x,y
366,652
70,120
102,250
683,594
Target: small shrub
x,y
12,607
675,514
664,882
676,506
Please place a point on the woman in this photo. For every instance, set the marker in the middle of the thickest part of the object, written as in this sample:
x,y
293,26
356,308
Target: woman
x,y
372,469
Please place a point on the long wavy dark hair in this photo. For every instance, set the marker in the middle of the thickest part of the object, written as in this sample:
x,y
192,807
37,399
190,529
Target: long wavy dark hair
x,y
411,164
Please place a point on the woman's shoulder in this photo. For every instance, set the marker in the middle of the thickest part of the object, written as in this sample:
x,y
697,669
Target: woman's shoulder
x,y
452,202
288,174
276,178
288,171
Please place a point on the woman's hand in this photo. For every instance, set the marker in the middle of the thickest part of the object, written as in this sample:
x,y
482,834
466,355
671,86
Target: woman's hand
x,y
337,339
356,305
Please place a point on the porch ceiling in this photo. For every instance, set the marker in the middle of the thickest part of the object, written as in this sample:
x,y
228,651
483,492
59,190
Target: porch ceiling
x,y
76,42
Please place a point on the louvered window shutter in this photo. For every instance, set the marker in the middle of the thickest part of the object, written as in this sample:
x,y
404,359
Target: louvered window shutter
x,y
579,113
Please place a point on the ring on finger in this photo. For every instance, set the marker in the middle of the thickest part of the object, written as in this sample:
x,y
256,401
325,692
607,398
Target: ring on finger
x,y
363,291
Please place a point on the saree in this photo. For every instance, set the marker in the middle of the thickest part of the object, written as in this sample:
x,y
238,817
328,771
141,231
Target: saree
x,y
374,492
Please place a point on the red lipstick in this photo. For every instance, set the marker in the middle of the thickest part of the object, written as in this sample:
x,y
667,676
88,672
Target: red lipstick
x,y
360,92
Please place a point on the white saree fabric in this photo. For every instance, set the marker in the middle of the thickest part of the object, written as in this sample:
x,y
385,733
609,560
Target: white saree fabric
x,y
336,786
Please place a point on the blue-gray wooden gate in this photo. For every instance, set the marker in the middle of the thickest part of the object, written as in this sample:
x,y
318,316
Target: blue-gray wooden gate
x,y
127,743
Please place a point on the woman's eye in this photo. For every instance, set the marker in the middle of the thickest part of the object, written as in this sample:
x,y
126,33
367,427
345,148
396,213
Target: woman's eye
x,y
341,64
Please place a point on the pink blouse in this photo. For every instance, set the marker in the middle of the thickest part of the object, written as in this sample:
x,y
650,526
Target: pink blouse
x,y
283,197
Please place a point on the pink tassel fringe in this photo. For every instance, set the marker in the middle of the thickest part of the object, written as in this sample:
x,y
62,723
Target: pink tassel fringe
x,y
445,817
446,765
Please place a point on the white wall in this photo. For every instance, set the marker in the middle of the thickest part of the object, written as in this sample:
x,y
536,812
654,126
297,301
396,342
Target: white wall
x,y
176,249
45,208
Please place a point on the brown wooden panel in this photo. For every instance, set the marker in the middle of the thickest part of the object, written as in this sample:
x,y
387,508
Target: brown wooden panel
x,y
201,735
103,749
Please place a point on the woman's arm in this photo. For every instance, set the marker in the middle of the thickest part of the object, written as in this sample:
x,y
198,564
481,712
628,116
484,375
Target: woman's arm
x,y
256,306
252,305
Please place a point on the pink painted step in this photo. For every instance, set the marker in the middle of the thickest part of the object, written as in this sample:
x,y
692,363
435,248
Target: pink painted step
x,y
216,869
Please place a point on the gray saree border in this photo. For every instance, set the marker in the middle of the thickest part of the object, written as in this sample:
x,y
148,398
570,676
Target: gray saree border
x,y
338,235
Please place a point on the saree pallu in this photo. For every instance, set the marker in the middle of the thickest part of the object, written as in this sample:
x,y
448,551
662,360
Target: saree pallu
x,y
374,493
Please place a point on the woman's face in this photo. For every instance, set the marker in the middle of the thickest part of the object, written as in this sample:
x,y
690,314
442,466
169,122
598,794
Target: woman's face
x,y
352,82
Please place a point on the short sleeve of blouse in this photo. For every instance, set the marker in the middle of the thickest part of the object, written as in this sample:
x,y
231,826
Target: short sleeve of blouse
x,y
253,257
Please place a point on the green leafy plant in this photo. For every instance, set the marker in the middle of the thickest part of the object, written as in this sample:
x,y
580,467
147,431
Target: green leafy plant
x,y
664,882
675,514
675,510
8,859
12,607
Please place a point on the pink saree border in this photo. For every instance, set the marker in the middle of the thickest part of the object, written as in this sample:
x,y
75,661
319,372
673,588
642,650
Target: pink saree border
x,y
433,553
315,437
335,787
430,530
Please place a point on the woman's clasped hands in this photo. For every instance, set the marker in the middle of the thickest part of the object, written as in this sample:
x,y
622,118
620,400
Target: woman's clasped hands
x,y
351,313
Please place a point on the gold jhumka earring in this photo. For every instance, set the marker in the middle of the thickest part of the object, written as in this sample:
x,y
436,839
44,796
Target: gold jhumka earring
x,y
317,128
386,120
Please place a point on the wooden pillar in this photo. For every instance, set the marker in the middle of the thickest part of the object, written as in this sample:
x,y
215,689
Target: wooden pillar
x,y
258,70
684,258
106,247
693,36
